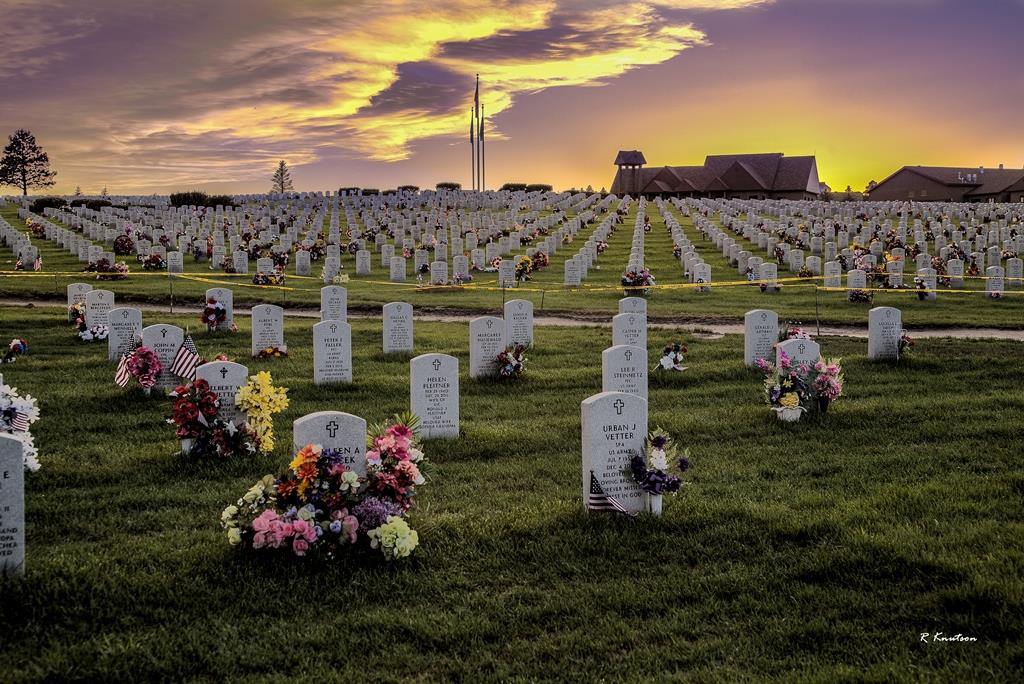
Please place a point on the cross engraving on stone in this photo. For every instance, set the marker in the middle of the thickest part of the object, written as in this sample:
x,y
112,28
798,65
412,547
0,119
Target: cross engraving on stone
x,y
619,405
490,324
332,429
223,372
628,354
437,364
334,327
163,333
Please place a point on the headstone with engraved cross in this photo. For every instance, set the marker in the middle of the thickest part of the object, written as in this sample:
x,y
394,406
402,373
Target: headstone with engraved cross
x,y
341,432
434,394
614,426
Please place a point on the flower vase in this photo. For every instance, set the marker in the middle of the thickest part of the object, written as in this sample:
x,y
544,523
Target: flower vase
x,y
822,405
789,415
186,446
654,504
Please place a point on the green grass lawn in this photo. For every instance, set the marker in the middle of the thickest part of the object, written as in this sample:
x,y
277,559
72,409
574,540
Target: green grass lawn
x,y
600,293
804,552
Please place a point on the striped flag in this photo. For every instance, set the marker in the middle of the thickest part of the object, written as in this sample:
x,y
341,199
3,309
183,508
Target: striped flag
x,y
186,360
599,501
37,265
20,422
122,377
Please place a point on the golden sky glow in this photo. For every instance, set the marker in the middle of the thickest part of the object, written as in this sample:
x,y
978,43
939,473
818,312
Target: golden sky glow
x,y
151,97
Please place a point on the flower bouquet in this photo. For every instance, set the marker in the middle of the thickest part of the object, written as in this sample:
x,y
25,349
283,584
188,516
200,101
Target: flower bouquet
x,y
17,413
524,267
273,278
462,278
600,246
637,282
76,314
324,509
652,474
672,358
143,365
16,348
105,270
154,262
512,362
860,296
96,333
124,245
201,432
214,316
260,400
791,390
272,353
541,260
905,346
494,264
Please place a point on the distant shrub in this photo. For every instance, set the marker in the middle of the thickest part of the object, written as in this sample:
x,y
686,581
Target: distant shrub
x,y
513,187
408,188
448,185
223,200
371,191
193,198
94,204
198,198
348,191
39,205
389,192
538,187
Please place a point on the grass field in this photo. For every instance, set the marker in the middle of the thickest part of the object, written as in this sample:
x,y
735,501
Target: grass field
x,y
806,552
600,294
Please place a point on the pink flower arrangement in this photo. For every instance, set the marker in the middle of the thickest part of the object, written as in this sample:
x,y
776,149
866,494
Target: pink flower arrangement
x,y
144,366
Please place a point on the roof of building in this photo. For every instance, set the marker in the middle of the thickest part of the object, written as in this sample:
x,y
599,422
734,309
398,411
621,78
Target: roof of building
x,y
771,172
630,158
980,181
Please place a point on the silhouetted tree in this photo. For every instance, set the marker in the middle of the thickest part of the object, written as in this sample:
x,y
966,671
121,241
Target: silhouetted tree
x,y
25,164
282,179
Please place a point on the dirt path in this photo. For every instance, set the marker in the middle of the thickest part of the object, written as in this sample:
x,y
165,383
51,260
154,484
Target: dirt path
x,y
702,328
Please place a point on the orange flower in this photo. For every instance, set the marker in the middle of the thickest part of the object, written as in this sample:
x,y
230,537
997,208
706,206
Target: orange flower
x,y
307,471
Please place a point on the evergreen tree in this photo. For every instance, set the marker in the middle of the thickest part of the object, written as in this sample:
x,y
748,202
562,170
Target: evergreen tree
x,y
78,191
25,164
282,179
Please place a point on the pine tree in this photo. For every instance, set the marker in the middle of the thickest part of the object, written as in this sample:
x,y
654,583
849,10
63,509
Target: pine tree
x,y
282,179
104,193
78,191
25,164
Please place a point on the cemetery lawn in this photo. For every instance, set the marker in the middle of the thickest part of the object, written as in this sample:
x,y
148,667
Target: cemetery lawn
x,y
805,552
798,301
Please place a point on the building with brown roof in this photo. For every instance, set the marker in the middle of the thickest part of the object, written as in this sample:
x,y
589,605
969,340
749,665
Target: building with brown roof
x,y
951,184
742,176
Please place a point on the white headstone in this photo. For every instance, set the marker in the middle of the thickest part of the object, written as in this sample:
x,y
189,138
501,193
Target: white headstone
x,y
885,325
98,304
12,507
760,333
633,305
397,335
267,327
333,303
125,326
434,394
624,369
519,322
629,328
226,297
486,341
341,432
332,352
77,292
614,427
225,378
165,341
798,351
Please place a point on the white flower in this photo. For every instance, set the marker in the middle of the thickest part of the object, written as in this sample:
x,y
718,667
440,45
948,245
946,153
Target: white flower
x,y
658,459
231,428
415,455
666,362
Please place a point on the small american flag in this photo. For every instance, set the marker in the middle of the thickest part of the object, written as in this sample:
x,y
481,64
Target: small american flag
x,y
20,422
37,265
186,360
122,376
599,501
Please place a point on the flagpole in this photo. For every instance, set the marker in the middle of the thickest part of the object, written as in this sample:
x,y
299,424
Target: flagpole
x,y
472,153
483,151
476,114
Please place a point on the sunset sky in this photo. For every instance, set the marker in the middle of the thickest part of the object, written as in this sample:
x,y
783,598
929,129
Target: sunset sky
x,y
147,96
